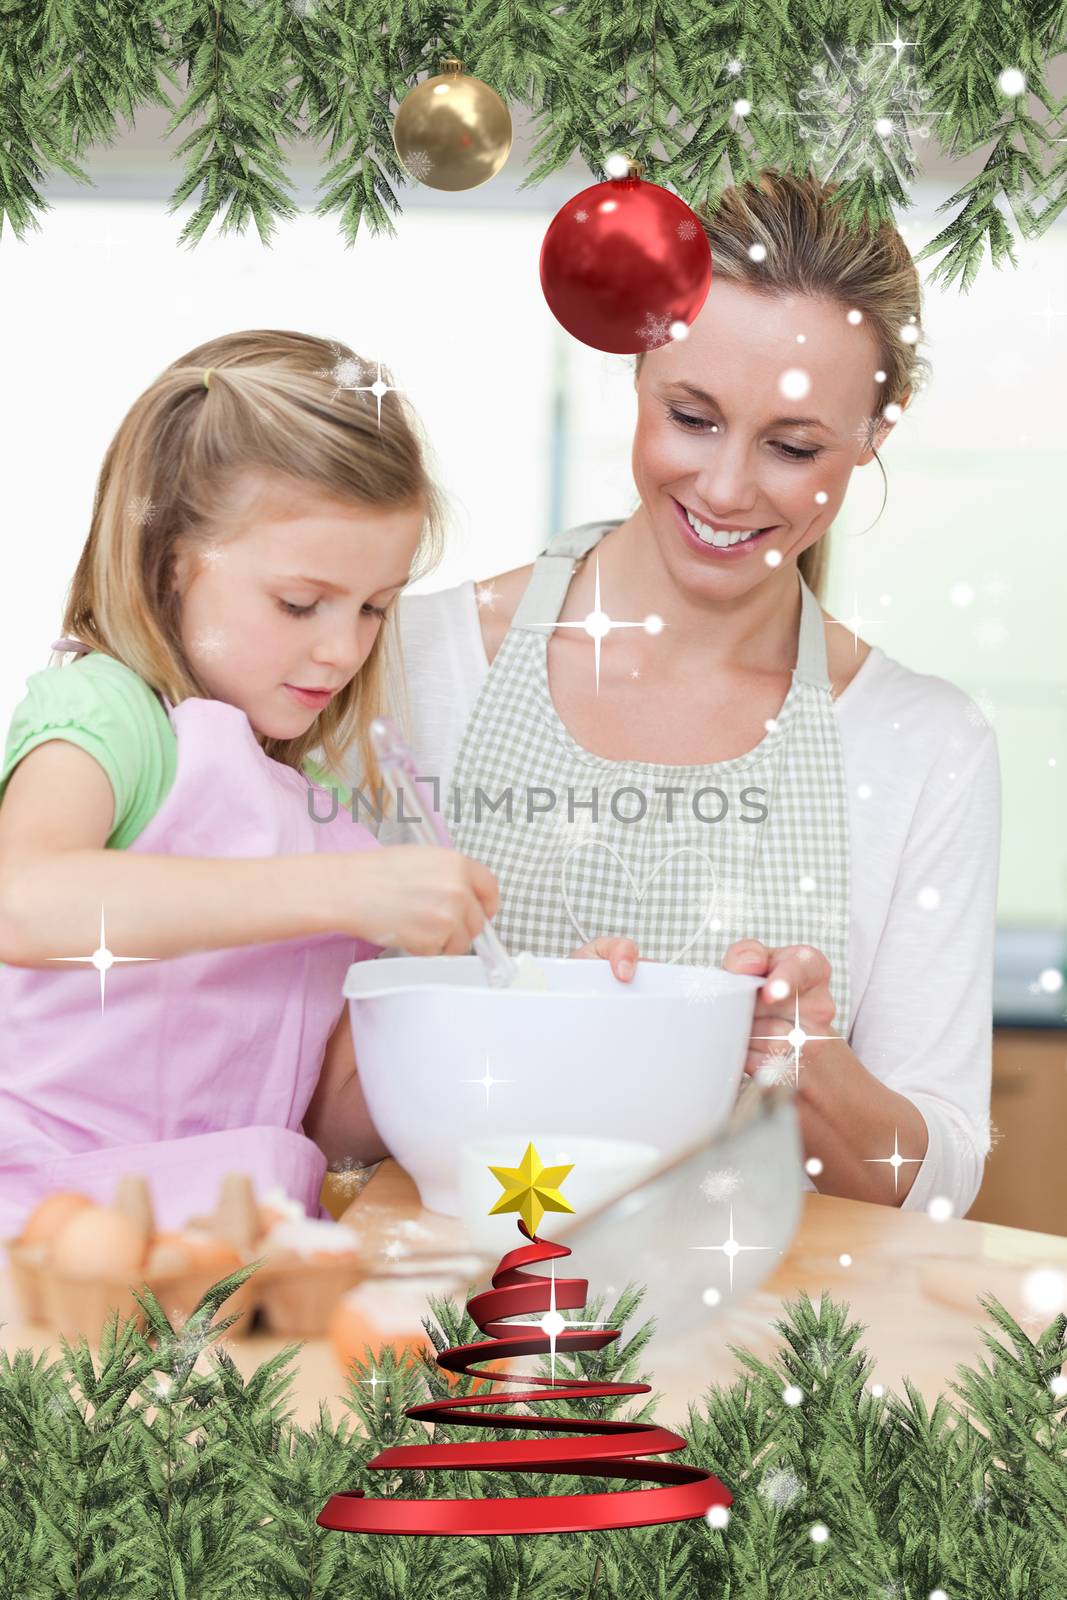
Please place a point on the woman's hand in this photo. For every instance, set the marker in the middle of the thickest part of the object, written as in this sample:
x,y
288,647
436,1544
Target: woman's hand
x,y
616,948
796,971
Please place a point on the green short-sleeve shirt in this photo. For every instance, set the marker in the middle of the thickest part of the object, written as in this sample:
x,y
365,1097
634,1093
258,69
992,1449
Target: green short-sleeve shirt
x,y
107,709
104,707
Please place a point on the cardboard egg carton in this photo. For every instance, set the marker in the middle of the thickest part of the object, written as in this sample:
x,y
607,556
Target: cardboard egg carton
x,y
295,1294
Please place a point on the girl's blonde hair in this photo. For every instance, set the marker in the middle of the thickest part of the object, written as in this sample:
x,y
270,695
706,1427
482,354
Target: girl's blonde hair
x,y
809,248
276,403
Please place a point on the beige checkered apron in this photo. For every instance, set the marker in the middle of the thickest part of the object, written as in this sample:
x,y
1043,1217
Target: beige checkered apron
x,y
684,859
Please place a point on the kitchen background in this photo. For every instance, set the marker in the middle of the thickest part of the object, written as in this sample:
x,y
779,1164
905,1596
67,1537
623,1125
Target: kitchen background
x,y
963,576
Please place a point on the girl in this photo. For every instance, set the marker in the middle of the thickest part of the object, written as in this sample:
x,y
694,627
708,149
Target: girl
x,y
253,524
755,786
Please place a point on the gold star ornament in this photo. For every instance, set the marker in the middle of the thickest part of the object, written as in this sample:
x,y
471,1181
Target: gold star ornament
x,y
531,1189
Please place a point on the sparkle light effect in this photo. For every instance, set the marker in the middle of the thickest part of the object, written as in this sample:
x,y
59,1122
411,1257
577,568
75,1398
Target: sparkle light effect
x,y
896,1160
598,624
373,1381
796,1038
553,1323
344,373
102,958
855,621
487,1081
731,1248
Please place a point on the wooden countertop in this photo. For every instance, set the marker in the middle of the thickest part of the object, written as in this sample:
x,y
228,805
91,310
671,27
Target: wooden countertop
x,y
912,1283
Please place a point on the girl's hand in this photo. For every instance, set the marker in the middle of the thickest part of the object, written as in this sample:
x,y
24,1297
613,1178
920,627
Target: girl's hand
x,y
796,970
426,900
616,948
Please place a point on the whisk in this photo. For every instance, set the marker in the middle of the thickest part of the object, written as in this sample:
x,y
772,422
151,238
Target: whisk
x,y
395,757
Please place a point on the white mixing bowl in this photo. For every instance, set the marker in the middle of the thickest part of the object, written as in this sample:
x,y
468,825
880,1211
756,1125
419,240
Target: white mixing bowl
x,y
444,1059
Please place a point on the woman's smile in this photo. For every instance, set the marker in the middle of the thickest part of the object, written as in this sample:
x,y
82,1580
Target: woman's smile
x,y
740,547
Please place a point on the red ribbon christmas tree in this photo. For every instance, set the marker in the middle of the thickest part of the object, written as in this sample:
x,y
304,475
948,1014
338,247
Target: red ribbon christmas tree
x,y
606,1449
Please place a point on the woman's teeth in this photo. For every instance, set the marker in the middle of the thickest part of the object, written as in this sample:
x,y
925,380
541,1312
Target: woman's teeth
x,y
709,536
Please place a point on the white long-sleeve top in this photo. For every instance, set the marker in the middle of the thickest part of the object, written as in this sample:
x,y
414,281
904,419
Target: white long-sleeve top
x,y
924,805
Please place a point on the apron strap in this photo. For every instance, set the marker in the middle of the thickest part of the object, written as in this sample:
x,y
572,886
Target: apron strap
x,y
546,591
66,646
543,597
811,664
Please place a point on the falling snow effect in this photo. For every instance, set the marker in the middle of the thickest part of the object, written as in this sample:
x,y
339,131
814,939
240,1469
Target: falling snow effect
x,y
720,1185
781,1486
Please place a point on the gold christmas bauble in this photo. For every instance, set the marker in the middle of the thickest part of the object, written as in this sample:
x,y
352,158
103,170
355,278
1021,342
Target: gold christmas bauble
x,y
452,132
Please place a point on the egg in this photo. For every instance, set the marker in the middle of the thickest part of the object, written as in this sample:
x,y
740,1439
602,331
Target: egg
x,y
206,1250
377,1316
100,1242
167,1258
49,1218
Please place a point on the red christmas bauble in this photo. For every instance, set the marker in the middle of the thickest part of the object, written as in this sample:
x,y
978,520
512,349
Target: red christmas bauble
x,y
623,260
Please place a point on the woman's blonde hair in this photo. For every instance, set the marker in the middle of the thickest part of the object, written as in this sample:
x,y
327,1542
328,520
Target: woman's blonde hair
x,y
809,248
277,402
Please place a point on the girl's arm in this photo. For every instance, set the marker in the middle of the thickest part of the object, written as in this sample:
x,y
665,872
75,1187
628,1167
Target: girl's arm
x,y
337,1117
56,875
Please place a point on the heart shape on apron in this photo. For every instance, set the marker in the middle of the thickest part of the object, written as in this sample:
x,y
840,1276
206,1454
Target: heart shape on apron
x,y
639,894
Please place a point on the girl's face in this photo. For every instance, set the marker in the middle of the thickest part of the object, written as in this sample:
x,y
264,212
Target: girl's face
x,y
727,455
293,599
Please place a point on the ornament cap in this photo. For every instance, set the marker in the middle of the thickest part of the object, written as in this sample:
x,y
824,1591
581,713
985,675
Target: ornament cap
x,y
450,64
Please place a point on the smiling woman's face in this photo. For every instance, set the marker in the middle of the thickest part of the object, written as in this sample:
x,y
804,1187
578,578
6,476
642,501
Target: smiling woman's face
x,y
729,458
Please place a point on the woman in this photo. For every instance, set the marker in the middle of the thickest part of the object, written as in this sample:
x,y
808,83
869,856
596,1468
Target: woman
x,y
752,786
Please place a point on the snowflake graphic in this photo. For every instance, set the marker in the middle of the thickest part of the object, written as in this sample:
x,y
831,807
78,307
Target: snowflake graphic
x,y
777,1066
721,1184
687,228
989,1136
349,1176
728,905
581,831
419,163
655,331
855,105
486,595
781,1487
980,710
581,216
821,1355
701,986
393,1250
347,371
140,509
991,633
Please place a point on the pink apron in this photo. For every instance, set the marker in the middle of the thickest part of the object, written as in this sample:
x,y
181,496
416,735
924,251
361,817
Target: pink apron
x,y
198,1065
